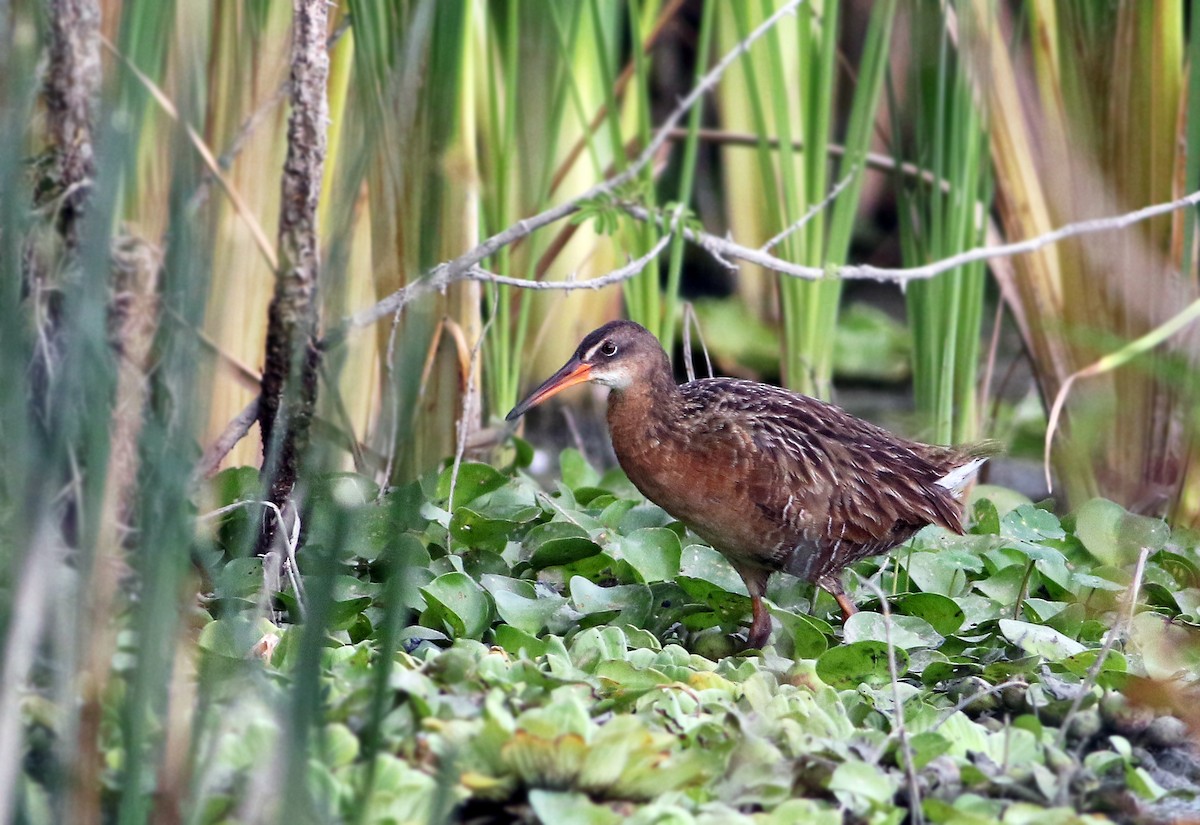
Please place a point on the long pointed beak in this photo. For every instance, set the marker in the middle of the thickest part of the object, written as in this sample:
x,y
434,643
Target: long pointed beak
x,y
573,372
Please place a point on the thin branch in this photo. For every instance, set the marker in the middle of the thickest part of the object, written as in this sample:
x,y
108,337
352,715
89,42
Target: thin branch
x,y
630,270
1120,629
447,273
813,211
234,432
722,248
872,160
898,728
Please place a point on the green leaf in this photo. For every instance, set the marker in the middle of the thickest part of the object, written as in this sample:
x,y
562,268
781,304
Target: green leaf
x,y
642,516
807,636
654,552
1081,663
515,640
408,558
455,601
1142,784
474,480
706,564
235,484
1005,586
475,530
558,542
570,807
943,613
1040,640
1029,523
344,613
985,518
232,638
1115,536
926,747
944,572
862,779
907,631
576,471
529,611
849,665
348,490
523,453
1182,569
629,677
631,602
240,578
339,745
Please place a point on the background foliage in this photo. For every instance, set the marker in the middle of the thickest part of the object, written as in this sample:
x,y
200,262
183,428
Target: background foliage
x,y
459,638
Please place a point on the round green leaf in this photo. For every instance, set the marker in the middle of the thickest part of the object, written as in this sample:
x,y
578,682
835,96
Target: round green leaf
x,y
943,613
456,602
1115,536
654,552
706,564
346,489
557,543
532,614
240,578
474,480
576,471
566,550
475,530
344,613
1030,523
1040,640
850,665
807,637
235,484
515,640
906,631
631,602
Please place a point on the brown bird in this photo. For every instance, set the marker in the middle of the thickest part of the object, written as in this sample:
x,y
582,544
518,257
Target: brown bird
x,y
772,479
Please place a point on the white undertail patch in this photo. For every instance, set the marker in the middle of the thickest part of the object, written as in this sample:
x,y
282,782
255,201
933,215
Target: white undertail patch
x,y
957,479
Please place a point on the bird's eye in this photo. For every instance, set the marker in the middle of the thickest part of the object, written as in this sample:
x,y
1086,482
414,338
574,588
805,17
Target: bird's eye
x,y
608,348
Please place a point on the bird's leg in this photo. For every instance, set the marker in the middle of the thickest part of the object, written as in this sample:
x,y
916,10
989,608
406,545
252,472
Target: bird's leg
x,y
760,623
832,583
847,606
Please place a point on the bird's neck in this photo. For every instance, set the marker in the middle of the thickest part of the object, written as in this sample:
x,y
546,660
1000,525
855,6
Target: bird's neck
x,y
655,397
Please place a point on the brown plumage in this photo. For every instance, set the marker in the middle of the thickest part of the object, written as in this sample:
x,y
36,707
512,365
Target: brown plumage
x,y
772,479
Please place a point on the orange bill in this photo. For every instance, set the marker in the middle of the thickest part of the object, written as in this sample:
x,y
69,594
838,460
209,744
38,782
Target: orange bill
x,y
573,372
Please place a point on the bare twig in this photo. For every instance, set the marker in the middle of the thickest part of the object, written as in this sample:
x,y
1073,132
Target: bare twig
x,y
630,270
1119,629
731,250
910,770
813,211
689,320
872,160
234,432
291,544
447,273
469,409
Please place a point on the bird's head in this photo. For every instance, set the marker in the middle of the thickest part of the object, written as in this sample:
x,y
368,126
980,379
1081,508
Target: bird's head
x,y
616,355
